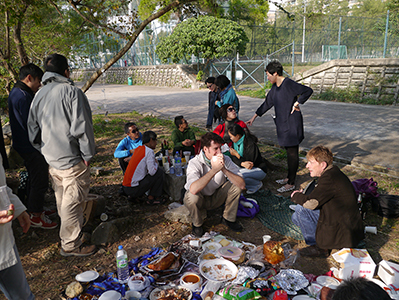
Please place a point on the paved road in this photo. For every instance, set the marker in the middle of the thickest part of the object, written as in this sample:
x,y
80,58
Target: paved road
x,y
360,134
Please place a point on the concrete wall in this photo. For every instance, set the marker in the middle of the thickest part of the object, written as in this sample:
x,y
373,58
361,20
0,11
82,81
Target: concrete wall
x,y
164,75
375,78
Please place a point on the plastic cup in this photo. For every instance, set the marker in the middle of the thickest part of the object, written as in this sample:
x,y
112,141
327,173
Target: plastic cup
x,y
166,167
371,229
266,238
4,200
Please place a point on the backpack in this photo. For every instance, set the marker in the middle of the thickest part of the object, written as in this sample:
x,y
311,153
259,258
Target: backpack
x,y
386,206
247,207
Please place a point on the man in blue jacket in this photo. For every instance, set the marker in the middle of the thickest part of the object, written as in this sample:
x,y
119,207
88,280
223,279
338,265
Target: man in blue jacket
x,y
19,102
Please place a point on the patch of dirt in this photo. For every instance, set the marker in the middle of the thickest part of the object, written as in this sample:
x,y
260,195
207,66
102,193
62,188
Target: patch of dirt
x,y
49,273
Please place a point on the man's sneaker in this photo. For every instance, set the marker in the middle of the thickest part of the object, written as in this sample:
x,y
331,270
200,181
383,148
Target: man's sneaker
x,y
42,221
198,231
80,251
232,225
49,212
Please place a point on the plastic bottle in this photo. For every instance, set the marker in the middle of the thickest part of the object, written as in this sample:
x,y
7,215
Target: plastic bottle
x,y
178,169
122,265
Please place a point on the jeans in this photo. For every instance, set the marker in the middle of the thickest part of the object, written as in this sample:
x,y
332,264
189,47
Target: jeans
x,y
13,282
252,178
306,219
37,187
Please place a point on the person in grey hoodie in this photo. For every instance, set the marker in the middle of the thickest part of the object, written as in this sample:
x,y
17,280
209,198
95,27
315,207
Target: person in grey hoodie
x,y
60,127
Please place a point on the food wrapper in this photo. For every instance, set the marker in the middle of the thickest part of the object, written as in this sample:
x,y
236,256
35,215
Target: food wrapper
x,y
291,281
244,273
238,292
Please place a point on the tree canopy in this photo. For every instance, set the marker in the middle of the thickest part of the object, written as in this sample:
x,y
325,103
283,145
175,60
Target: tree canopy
x,y
206,36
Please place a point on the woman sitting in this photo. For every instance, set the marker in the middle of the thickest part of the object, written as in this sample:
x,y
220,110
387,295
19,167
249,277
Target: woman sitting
x,y
245,154
229,115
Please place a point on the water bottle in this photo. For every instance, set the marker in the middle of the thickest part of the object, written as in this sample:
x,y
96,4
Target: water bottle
x,y
122,265
178,169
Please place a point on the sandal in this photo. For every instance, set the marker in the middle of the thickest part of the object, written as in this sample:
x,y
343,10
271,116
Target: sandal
x,y
284,189
282,181
156,201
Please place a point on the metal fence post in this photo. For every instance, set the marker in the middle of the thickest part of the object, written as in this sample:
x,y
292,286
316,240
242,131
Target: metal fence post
x,y
293,57
339,38
386,34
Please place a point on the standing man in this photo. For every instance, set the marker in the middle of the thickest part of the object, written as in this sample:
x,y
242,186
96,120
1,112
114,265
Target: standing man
x,y
19,102
207,185
183,137
60,127
213,97
328,216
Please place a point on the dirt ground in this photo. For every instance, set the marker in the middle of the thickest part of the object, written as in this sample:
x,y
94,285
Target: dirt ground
x,y
49,273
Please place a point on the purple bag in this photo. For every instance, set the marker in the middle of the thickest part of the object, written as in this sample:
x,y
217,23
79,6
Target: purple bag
x,y
366,187
247,208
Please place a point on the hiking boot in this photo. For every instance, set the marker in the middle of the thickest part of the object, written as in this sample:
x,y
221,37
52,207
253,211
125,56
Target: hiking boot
x,y
42,221
232,225
80,251
314,251
198,231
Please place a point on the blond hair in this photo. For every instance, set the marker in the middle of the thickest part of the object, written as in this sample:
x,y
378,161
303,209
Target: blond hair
x,y
321,153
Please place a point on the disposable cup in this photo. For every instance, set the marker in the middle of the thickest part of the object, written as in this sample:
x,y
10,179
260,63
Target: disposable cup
x,y
371,229
4,200
266,238
166,167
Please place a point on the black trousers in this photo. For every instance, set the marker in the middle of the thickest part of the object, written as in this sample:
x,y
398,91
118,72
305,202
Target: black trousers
x,y
153,183
123,164
293,163
37,186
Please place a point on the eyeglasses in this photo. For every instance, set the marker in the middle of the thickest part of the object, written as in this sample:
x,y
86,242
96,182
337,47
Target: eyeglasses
x,y
135,130
230,109
209,86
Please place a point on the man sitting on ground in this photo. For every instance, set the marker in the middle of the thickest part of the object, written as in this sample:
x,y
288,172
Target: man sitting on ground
x,y
183,137
143,174
207,185
328,216
125,148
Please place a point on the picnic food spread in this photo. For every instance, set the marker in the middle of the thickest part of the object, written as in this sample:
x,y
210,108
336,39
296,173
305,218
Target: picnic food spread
x,y
215,267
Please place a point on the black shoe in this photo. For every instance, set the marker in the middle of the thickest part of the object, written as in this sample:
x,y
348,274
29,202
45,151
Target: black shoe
x,y
198,231
232,225
121,192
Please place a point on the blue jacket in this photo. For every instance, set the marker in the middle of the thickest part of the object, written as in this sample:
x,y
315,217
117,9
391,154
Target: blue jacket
x,y
122,150
19,102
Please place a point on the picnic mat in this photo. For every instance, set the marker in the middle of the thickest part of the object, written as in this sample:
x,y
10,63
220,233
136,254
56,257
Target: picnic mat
x,y
275,213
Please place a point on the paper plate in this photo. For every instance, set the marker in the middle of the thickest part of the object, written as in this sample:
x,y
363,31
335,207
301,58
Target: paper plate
x,y
293,206
155,292
211,246
218,269
110,295
327,281
87,276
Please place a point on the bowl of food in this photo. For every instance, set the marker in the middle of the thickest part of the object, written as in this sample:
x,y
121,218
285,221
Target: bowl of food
x,y
218,269
171,293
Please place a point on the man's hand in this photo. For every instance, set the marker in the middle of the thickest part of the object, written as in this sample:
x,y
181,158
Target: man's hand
x,y
234,152
217,162
5,216
24,221
247,165
87,163
296,191
250,121
131,151
127,159
187,142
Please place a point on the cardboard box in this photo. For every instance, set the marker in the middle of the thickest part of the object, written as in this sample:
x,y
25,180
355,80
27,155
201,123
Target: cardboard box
x,y
354,263
389,273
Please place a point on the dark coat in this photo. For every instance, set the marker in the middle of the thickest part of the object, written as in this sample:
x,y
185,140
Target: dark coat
x,y
289,126
340,224
251,153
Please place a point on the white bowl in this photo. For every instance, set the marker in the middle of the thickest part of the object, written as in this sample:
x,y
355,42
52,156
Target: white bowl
x,y
137,282
187,282
110,295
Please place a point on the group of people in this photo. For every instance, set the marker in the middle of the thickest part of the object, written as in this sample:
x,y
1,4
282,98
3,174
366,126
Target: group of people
x,y
53,132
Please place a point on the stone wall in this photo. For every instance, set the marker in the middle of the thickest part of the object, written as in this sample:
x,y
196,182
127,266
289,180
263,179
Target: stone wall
x,y
163,75
375,78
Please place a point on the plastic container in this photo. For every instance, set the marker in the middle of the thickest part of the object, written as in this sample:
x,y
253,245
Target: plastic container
x,y
138,282
129,81
178,168
122,265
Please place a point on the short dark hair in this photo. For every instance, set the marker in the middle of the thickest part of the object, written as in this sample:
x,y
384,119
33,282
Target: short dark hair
x,y
223,110
236,129
359,288
178,121
56,63
128,125
148,136
273,67
210,80
222,81
32,70
208,137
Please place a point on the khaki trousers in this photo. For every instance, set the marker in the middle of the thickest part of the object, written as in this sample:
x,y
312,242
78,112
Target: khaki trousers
x,y
227,194
71,187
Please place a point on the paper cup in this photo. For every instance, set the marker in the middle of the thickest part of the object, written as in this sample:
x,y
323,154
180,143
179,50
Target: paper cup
x,y
266,238
371,229
4,200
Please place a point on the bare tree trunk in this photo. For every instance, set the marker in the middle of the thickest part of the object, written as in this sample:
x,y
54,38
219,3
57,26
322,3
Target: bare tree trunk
x,y
131,41
18,41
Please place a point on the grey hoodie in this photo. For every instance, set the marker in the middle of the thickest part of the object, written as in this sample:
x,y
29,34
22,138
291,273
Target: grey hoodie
x,y
60,124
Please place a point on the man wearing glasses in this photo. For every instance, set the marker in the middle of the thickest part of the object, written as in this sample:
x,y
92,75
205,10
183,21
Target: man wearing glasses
x,y
213,97
125,148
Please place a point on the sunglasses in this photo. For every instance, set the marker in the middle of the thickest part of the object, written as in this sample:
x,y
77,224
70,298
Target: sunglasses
x,y
230,109
135,130
209,86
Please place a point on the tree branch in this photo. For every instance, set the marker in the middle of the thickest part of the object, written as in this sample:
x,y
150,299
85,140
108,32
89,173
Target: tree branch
x,y
131,41
73,4
56,7
18,40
